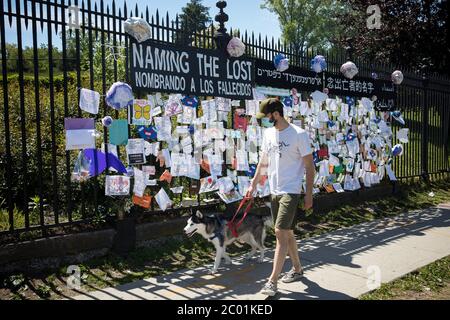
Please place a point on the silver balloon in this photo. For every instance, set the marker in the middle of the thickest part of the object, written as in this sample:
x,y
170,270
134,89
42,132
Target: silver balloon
x,y
397,77
138,28
349,70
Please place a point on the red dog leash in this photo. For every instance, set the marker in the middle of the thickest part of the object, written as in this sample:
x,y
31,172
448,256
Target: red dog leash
x,y
234,226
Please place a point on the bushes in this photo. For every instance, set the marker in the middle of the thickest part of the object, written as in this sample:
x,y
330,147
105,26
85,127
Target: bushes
x,y
44,80
31,179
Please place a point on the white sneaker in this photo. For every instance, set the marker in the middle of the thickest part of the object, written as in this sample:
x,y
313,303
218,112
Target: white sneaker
x,y
292,276
269,289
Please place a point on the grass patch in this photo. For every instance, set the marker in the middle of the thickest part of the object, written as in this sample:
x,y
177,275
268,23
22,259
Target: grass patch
x,y
430,282
176,253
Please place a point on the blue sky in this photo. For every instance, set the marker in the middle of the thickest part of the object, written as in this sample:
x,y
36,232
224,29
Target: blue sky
x,y
243,14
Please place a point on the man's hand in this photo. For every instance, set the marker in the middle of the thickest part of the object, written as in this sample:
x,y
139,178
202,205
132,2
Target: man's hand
x,y
251,190
308,201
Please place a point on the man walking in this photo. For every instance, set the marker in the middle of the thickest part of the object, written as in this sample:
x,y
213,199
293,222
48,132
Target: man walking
x,y
285,154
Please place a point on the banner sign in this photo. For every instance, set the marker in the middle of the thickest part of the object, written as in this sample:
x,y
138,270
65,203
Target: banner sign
x,y
305,80
294,77
162,67
359,87
157,67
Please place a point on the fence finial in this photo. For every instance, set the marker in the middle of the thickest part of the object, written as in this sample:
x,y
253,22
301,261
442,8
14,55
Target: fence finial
x,y
221,36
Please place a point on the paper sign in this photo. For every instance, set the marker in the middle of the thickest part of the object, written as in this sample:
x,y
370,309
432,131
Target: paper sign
x,y
225,184
89,101
251,107
319,97
223,104
156,111
240,120
163,200
140,113
338,187
80,134
173,106
230,197
139,183
177,190
136,151
208,184
118,132
402,135
164,128
117,186
143,202
243,184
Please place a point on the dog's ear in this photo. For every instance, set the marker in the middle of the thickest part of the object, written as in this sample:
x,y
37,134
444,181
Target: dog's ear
x,y
199,214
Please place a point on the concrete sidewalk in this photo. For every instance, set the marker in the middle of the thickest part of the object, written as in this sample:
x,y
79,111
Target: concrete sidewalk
x,y
339,265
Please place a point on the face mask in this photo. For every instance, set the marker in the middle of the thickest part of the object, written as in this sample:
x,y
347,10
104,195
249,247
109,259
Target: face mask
x,y
266,123
273,121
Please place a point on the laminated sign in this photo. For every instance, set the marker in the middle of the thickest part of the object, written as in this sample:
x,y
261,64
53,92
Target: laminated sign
x,y
140,113
136,151
80,134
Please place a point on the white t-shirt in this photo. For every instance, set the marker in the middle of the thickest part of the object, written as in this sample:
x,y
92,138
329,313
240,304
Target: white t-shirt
x,y
285,151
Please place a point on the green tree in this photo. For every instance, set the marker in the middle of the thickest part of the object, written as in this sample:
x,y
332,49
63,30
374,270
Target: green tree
x,y
193,19
411,34
306,23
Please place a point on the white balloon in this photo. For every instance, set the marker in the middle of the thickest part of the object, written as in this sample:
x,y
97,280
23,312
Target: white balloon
x,y
397,77
349,70
236,47
138,28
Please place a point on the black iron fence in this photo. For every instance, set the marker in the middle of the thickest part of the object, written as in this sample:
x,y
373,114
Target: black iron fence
x,y
41,86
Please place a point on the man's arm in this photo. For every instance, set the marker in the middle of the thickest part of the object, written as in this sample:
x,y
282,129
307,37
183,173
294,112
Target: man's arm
x,y
261,170
310,173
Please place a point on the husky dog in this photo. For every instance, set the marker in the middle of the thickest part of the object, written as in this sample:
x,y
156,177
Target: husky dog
x,y
214,229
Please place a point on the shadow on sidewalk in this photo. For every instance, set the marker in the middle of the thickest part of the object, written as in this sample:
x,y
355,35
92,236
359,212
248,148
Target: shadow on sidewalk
x,y
243,279
312,292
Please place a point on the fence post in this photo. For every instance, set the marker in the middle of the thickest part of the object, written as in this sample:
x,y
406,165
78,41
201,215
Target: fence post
x,y
425,127
221,36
